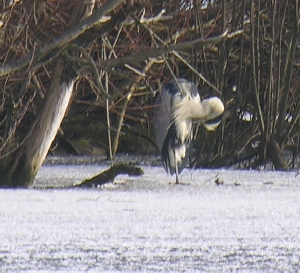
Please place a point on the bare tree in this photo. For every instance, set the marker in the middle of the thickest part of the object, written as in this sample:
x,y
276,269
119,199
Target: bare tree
x,y
113,55
22,153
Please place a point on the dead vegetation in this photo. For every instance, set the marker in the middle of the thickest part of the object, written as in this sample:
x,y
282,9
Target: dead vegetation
x,y
120,53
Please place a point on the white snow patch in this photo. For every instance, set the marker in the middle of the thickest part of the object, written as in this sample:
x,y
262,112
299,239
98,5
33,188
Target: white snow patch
x,y
148,223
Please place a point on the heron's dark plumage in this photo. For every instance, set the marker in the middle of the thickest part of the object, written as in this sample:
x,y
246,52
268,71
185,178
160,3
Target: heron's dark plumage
x,y
171,144
171,87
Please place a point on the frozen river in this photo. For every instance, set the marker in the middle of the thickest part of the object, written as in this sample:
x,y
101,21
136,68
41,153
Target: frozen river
x,y
250,223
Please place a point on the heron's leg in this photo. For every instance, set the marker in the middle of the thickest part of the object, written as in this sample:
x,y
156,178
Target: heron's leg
x,y
176,164
177,179
176,169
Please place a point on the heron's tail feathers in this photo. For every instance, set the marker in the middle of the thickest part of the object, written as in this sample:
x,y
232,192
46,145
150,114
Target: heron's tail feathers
x,y
175,154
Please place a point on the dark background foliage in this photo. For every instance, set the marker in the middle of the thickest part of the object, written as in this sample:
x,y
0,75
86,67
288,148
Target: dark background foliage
x,y
122,62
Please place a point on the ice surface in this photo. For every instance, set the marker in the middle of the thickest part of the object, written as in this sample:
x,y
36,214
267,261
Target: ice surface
x,y
249,223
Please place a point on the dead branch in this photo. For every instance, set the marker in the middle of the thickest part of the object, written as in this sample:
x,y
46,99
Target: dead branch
x,y
163,50
196,72
62,40
132,89
109,175
143,20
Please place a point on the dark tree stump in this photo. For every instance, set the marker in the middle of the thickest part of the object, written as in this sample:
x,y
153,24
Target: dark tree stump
x,y
275,154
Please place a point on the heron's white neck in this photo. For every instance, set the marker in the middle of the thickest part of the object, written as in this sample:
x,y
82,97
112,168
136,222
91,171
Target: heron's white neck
x,y
190,108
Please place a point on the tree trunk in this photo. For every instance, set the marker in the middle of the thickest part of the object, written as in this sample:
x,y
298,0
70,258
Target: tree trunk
x,y
29,158
276,155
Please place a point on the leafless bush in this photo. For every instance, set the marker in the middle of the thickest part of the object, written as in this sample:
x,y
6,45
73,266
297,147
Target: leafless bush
x,y
122,62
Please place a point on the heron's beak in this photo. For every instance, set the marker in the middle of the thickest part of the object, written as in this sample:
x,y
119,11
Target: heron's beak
x,y
211,127
212,124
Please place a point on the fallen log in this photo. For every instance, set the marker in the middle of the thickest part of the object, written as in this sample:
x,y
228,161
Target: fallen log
x,y
109,175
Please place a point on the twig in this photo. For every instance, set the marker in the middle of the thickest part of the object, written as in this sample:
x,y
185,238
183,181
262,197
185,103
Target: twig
x,y
158,18
94,67
135,70
62,40
161,51
196,72
127,99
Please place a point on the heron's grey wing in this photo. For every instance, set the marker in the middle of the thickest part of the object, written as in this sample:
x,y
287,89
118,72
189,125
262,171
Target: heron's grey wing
x,y
162,117
187,87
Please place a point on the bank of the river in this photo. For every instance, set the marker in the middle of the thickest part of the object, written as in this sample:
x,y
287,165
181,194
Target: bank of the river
x,y
250,223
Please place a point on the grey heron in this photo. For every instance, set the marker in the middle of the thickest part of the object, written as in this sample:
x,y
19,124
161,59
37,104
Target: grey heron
x,y
177,113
